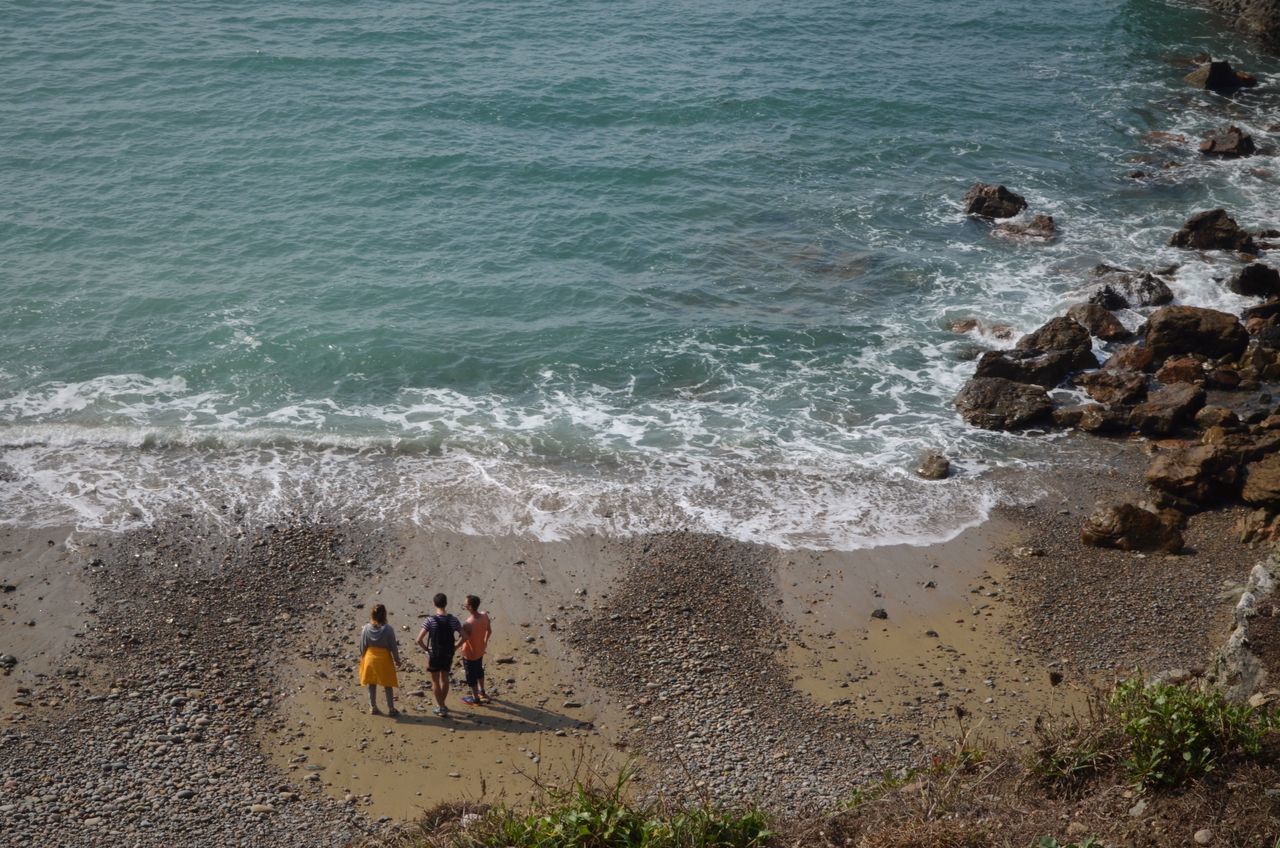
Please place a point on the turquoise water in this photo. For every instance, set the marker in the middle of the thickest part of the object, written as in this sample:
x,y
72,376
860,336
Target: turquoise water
x,y
552,267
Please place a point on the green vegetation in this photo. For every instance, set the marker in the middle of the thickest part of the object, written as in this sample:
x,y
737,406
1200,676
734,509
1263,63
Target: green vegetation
x,y
1164,735
591,817
1050,842
1176,734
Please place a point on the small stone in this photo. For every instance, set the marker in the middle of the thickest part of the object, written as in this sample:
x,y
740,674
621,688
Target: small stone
x,y
261,808
1138,809
879,613
1203,836
571,705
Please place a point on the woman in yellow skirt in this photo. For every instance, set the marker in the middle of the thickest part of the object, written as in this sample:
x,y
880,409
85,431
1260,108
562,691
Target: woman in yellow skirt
x,y
379,659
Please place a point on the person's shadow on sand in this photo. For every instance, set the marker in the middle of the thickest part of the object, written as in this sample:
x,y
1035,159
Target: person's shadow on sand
x,y
504,716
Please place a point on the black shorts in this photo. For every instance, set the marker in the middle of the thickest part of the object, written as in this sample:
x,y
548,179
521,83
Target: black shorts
x,y
441,662
474,670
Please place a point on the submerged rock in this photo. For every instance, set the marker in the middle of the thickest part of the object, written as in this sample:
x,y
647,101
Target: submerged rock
x,y
1229,142
994,403
1213,229
1129,527
934,466
1039,228
1220,77
993,201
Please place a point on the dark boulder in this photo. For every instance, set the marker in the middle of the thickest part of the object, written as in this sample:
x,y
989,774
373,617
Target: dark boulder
x,y
1256,280
1039,228
1061,334
1202,474
1099,321
993,201
934,466
1120,288
1167,409
1218,416
1263,311
1130,357
1213,230
1119,385
1093,417
1041,368
1129,527
1220,77
1173,330
996,404
1230,143
1262,482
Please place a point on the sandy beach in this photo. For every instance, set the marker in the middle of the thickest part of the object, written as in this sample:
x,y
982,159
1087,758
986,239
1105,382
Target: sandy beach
x,y
188,685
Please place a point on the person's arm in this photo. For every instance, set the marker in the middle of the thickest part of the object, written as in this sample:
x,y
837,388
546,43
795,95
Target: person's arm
x,y
395,648
488,631
458,637
421,641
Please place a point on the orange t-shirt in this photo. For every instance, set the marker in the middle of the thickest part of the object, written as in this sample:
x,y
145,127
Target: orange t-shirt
x,y
475,635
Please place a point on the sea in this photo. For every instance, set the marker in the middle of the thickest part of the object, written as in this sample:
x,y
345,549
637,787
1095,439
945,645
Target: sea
x,y
560,267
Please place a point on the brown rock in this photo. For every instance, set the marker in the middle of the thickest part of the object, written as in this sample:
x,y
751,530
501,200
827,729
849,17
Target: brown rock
x,y
1213,230
993,201
1113,385
1230,142
1201,474
1047,368
1099,321
1058,334
1173,330
1129,527
996,404
1182,369
1166,409
1223,378
1130,357
1218,416
1262,482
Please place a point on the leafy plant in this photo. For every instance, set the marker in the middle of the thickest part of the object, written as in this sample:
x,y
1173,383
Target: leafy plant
x,y
1176,734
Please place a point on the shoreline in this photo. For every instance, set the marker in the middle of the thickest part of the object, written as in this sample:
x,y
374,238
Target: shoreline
x,y
258,708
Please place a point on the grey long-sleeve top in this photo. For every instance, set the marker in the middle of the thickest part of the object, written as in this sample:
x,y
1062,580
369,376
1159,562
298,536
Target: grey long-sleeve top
x,y
381,636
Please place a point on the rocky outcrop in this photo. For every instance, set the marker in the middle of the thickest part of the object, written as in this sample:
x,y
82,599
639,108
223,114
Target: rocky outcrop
x,y
1167,409
1256,280
1260,17
1213,229
1120,288
1182,369
1237,671
1130,357
1173,330
1040,368
1262,482
993,201
1229,143
1220,77
1129,527
1199,474
1099,321
998,404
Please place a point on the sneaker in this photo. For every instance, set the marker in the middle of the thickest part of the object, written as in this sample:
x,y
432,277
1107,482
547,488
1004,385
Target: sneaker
x,y
467,699
437,711
375,711
393,712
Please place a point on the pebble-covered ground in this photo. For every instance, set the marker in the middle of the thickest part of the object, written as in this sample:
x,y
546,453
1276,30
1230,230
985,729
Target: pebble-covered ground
x,y
146,735
687,642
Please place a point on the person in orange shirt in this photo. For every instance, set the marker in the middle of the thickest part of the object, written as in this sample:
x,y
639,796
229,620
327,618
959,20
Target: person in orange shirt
x,y
475,638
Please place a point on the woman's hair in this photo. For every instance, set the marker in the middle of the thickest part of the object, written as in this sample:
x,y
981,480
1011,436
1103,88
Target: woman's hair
x,y
378,614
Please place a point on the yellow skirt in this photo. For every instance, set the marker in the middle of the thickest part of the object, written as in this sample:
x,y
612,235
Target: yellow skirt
x,y
377,668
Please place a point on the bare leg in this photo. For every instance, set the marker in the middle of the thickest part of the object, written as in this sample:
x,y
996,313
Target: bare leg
x,y
391,698
440,686
373,698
